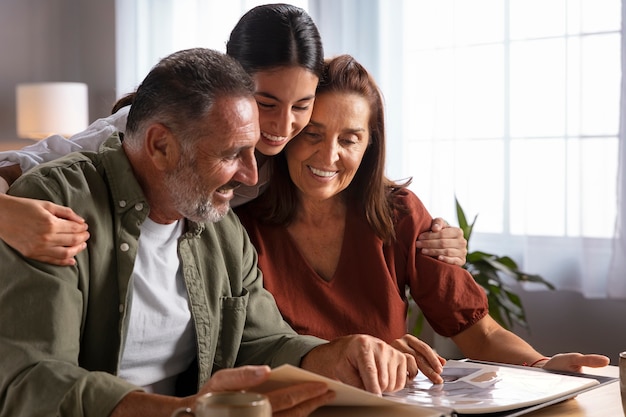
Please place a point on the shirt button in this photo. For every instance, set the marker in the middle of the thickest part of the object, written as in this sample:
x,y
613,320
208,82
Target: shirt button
x,y
139,206
124,247
121,308
122,203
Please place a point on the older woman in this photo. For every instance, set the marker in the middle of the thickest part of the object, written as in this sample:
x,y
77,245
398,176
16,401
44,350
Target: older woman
x,y
336,239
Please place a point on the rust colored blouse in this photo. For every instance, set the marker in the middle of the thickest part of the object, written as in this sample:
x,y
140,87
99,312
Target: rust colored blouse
x,y
366,293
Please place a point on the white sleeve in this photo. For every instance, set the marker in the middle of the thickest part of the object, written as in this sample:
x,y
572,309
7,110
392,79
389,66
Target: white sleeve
x,y
55,146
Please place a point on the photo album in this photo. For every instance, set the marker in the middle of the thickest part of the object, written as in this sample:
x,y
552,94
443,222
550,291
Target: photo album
x,y
469,388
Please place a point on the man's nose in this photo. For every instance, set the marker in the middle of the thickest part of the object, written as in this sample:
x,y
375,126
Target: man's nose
x,y
248,173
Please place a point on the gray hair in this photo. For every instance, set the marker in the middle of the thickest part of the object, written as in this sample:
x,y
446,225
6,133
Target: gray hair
x,y
181,89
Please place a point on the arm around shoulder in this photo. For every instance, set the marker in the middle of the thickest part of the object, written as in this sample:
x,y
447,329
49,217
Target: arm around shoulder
x,y
42,230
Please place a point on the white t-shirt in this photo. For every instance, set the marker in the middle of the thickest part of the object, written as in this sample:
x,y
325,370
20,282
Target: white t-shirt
x,y
160,342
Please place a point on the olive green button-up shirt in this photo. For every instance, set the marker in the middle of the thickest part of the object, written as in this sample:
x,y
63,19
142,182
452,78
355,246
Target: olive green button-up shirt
x,y
62,329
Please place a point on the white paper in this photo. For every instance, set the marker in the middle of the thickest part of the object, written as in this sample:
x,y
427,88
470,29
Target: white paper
x,y
474,388
469,388
346,395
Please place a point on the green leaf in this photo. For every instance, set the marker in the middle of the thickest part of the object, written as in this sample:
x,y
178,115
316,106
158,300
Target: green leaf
x,y
505,306
419,324
506,262
478,256
465,227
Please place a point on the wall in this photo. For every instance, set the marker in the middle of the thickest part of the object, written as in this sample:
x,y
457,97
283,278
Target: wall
x,y
56,40
564,321
74,40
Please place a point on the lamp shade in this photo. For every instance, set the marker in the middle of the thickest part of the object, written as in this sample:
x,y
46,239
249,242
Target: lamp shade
x,y
44,109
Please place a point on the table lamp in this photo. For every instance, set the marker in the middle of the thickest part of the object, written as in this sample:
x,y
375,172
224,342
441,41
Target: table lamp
x,y
50,108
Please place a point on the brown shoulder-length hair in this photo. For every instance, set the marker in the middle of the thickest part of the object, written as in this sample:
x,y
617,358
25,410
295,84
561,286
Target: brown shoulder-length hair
x,y
370,190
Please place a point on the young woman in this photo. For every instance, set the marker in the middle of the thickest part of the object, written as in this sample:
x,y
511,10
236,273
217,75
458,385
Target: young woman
x,y
280,47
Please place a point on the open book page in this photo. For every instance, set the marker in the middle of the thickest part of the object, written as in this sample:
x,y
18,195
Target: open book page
x,y
346,395
468,388
475,388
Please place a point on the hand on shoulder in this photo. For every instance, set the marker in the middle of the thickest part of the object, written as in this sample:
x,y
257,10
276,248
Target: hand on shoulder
x,y
444,242
42,230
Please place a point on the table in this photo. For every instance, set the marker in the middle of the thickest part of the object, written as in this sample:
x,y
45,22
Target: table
x,y
599,402
603,401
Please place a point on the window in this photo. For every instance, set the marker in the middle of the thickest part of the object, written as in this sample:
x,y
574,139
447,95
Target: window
x,y
150,30
514,106
517,102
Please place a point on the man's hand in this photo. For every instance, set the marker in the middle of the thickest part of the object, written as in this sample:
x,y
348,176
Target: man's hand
x,y
573,362
362,361
295,400
298,400
444,242
42,230
428,361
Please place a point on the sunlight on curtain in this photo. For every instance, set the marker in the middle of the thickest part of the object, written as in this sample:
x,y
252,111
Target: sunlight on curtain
x,y
150,30
513,106
617,272
369,30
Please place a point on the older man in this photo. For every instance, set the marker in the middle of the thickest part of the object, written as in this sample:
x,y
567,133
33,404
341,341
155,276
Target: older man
x,y
167,291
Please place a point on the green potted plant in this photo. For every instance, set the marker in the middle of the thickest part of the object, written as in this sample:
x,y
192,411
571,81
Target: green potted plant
x,y
489,271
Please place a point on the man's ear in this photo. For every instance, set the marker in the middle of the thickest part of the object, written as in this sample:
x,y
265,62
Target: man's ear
x,y
161,146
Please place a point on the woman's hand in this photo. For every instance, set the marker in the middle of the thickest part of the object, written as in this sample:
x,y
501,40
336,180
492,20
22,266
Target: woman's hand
x,y
42,230
294,400
573,362
444,242
428,361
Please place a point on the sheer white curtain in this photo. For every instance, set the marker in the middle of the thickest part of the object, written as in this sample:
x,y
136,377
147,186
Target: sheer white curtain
x,y
371,31
148,30
617,273
515,109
